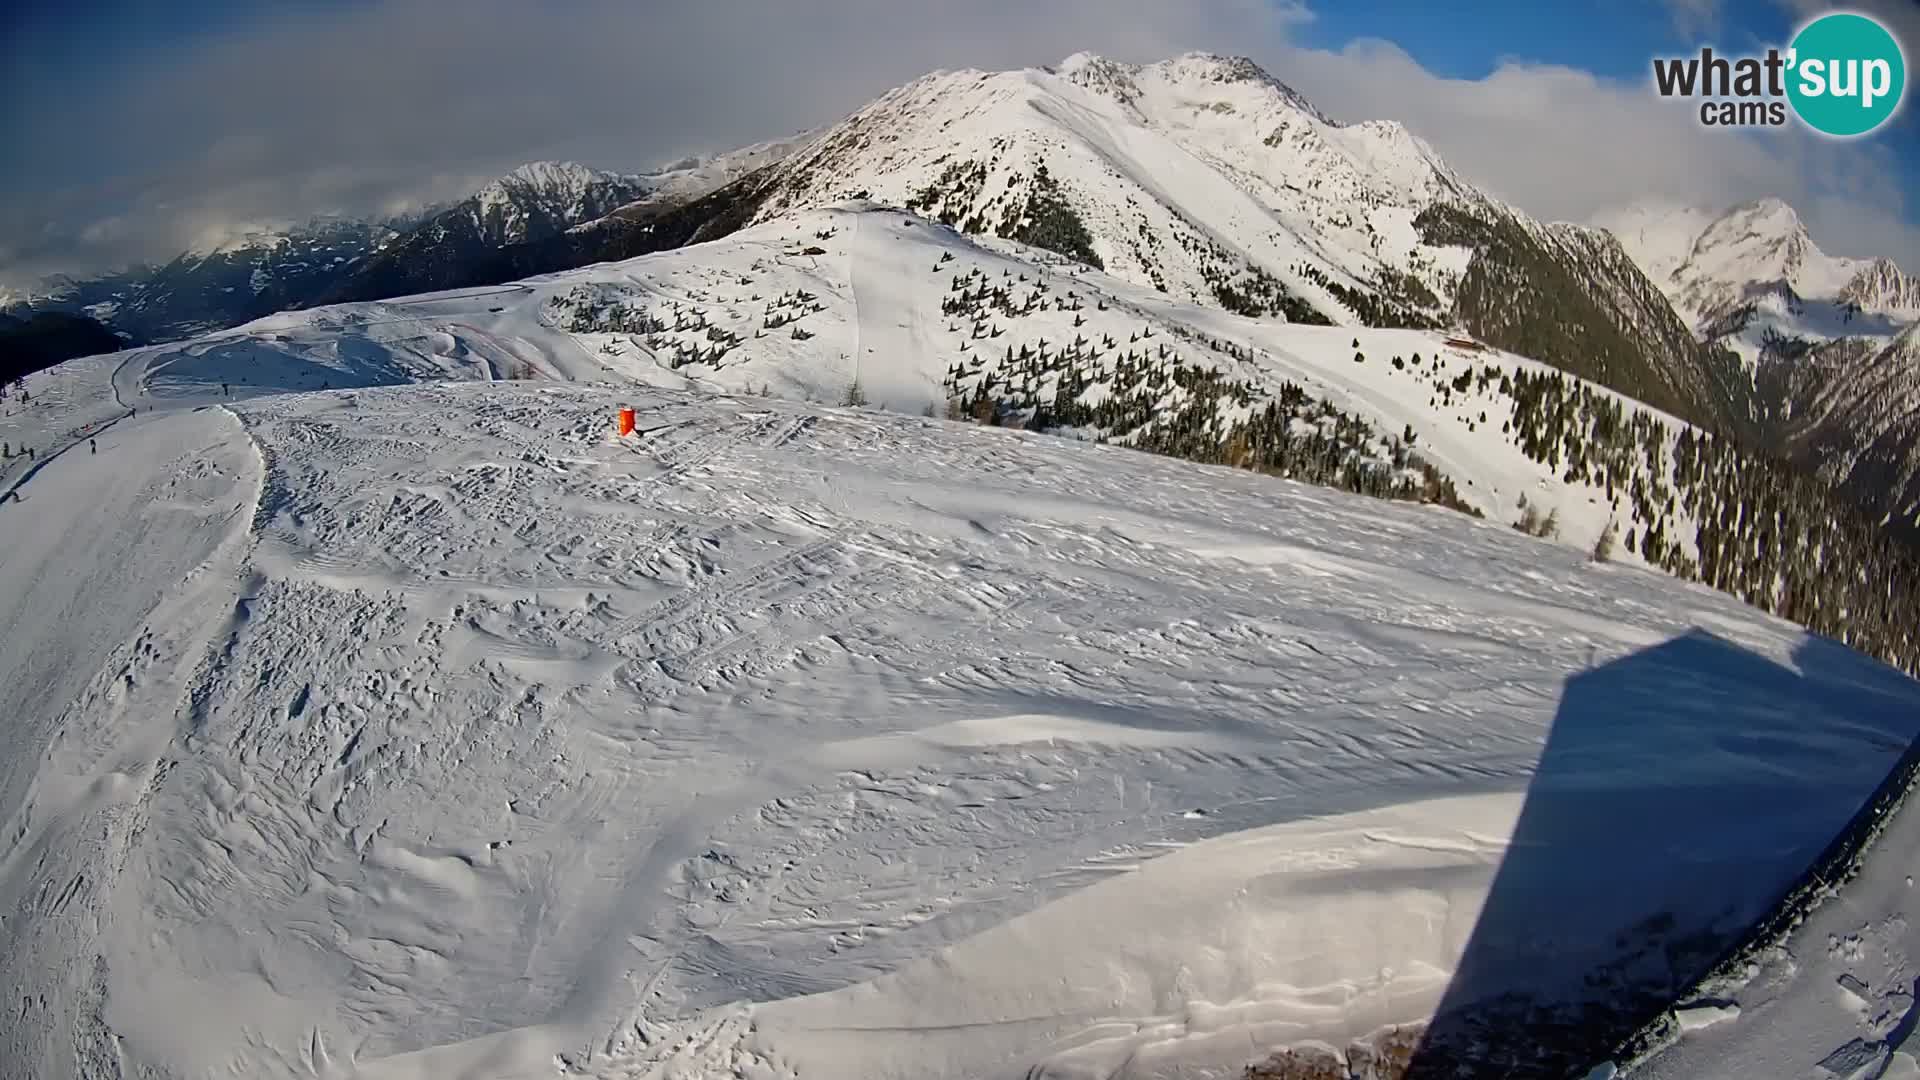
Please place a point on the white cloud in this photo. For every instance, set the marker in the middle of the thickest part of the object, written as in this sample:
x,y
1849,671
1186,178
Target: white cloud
x,y
1693,18
391,103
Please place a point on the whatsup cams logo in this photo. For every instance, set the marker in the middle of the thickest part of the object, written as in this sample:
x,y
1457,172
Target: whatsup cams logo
x,y
1844,75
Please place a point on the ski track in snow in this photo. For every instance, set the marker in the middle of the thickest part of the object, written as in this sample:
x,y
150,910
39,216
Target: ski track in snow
x,y
506,742
109,602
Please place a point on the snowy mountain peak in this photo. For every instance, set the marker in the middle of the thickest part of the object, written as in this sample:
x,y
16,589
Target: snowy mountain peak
x,y
1712,265
1882,286
1771,213
563,179
1213,67
542,197
239,237
1101,75
1200,69
1201,176
1830,344
1081,62
1766,237
553,173
1193,73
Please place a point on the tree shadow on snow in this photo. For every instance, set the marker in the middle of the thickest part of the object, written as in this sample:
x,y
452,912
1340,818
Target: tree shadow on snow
x,y
1682,791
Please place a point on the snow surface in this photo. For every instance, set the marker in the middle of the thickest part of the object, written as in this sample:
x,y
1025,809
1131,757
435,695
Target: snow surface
x,y
366,726
1837,998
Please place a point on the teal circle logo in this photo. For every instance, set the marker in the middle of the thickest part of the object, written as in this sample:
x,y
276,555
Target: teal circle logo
x,y
1846,74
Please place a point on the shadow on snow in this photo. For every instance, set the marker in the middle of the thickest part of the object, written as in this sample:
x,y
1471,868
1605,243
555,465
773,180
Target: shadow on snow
x,y
1682,792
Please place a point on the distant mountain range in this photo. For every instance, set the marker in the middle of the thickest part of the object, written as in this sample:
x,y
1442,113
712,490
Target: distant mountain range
x,y
1210,181
1830,344
1202,176
199,291
531,203
331,260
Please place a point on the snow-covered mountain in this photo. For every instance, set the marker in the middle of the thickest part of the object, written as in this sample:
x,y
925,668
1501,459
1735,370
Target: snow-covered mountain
x,y
1828,341
539,199
692,177
1190,175
405,730
260,271
1202,177
1881,286
1752,273
530,204
1712,264
1849,409
1210,181
484,238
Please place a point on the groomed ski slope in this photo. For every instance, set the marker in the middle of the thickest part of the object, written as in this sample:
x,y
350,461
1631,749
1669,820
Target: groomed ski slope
x,y
433,730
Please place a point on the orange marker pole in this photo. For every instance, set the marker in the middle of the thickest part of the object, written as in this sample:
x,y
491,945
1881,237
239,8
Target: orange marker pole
x,y
626,421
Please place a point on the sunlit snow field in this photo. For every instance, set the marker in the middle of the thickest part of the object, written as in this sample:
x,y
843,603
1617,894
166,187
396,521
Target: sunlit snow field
x,y
434,730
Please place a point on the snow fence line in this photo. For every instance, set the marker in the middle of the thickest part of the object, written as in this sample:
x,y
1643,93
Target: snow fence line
x,y
1837,865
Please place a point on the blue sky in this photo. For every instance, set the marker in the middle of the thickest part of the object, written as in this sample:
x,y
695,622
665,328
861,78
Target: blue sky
x,y
1613,40
1606,38
138,128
